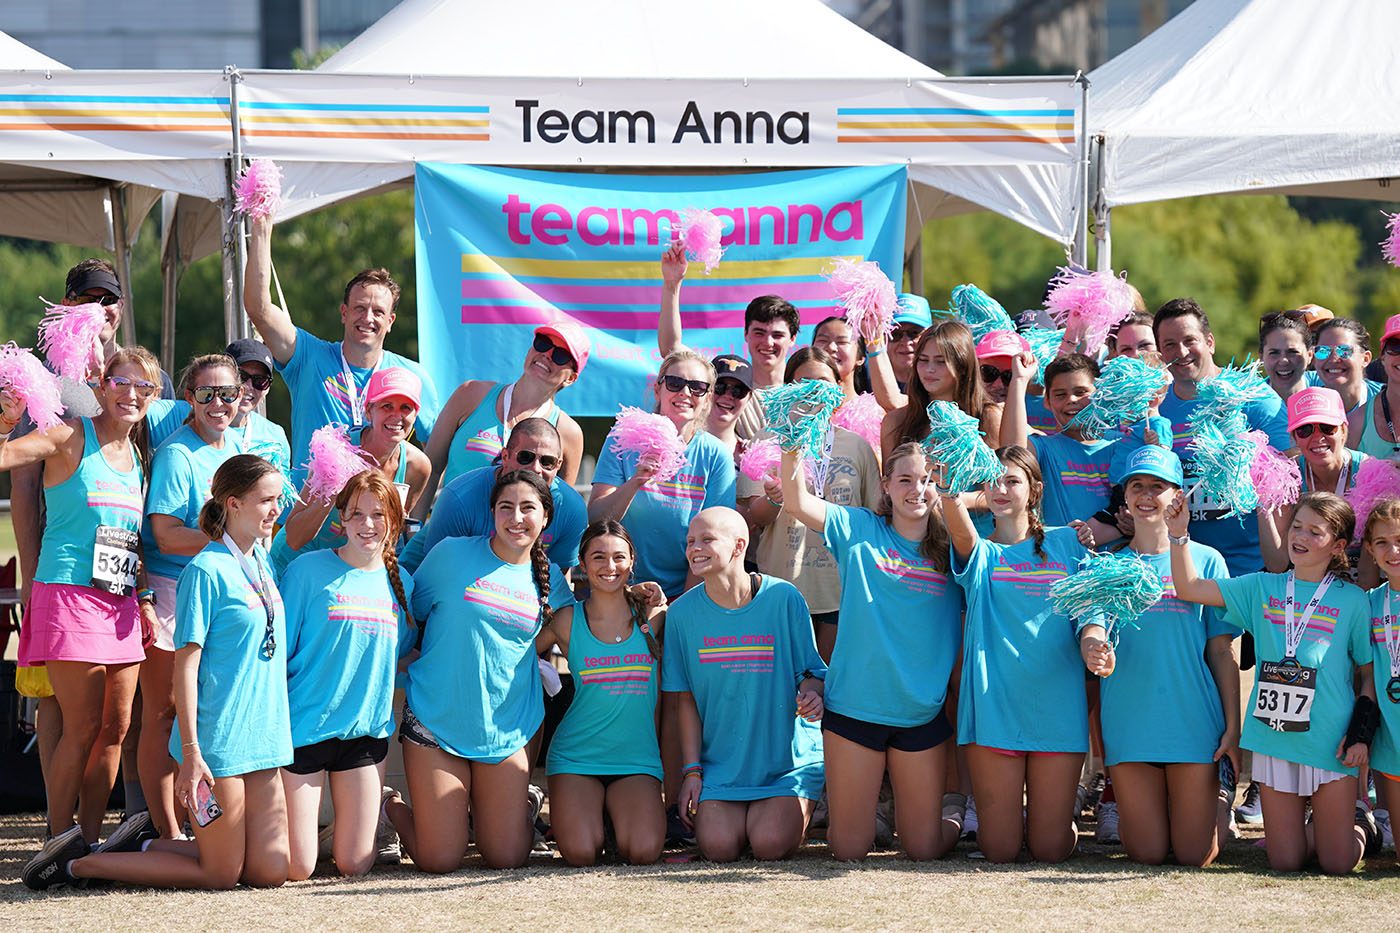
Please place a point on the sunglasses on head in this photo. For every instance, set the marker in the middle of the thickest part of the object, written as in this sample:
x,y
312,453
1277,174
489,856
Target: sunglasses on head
x,y
259,382
991,374
558,355
1305,431
143,388
527,457
203,395
1341,351
697,387
732,387
106,300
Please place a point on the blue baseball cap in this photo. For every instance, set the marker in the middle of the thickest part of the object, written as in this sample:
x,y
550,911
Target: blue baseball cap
x,y
1151,460
913,309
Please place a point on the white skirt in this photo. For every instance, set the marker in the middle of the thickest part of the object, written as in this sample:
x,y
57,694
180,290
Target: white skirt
x,y
1289,777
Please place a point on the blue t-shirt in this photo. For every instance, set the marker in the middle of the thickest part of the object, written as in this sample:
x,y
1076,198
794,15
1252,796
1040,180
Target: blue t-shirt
x,y
164,417
1236,538
1038,417
1161,703
476,685
660,513
1075,474
345,634
320,396
1337,639
181,472
463,510
1373,388
1385,753
244,725
901,621
743,667
1022,675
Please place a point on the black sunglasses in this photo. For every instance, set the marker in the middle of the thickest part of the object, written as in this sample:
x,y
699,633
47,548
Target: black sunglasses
x,y
269,645
1391,348
527,457
905,333
228,394
1305,431
991,374
261,383
697,387
732,387
558,355
106,300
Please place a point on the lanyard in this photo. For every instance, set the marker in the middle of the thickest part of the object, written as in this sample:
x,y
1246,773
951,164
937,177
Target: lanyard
x,y
357,404
1343,478
506,395
1392,637
260,585
1293,629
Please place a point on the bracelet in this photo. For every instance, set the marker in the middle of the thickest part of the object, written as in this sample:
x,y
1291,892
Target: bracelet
x,y
772,501
146,595
693,766
872,352
194,744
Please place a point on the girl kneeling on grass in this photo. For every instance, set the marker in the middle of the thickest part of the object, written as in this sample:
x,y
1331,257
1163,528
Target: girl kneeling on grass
x,y
1308,729
888,682
347,626
604,760
1171,689
1382,541
232,731
474,696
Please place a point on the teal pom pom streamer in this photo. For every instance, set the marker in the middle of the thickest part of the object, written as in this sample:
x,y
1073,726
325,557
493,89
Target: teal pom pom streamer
x,y
799,413
955,442
1045,344
1223,460
1122,395
979,311
1111,590
272,452
1220,400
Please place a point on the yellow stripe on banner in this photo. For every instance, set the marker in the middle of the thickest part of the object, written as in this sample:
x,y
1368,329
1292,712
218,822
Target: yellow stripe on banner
x,y
601,269
950,125
67,112
368,121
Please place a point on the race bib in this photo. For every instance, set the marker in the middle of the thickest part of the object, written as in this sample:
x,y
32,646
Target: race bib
x,y
1201,505
1285,695
114,560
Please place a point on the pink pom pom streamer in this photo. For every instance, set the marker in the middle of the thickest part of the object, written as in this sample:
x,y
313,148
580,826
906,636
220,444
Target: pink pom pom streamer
x,y
643,432
23,374
1276,479
700,233
258,190
71,338
1092,303
763,459
1377,479
867,294
334,462
862,415
1390,246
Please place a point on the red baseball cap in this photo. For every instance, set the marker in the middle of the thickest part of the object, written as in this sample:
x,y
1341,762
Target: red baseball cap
x,y
571,336
391,382
1315,405
1392,328
1001,343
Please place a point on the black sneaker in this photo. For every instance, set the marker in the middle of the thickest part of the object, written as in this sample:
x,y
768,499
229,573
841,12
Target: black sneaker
x,y
130,834
678,835
50,866
1369,829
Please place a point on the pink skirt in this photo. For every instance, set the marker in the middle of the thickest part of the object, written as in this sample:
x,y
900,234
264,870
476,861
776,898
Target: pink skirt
x,y
79,623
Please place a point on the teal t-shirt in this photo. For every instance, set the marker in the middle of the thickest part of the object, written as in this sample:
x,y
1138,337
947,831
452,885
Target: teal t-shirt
x,y
181,472
345,634
661,512
1161,703
1022,675
476,684
610,725
1076,476
901,621
1337,639
743,667
1385,753
243,720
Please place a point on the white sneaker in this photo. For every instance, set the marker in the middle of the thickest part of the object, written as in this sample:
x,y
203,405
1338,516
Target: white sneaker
x,y
1107,831
970,819
386,838
1382,818
325,842
1250,811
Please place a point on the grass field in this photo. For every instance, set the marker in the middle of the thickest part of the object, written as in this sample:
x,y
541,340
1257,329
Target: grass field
x,y
1098,888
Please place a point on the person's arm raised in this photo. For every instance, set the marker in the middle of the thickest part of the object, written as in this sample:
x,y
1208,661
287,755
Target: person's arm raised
x,y
1190,586
799,501
669,334
1015,426
274,324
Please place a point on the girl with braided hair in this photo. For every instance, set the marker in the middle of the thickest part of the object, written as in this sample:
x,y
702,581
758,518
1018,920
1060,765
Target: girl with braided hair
x,y
473,695
604,758
347,626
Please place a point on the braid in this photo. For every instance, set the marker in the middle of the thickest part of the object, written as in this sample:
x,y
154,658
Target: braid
x,y
639,619
539,569
1037,531
391,566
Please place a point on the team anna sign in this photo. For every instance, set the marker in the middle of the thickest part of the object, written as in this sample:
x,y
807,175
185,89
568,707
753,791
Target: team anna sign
x,y
500,251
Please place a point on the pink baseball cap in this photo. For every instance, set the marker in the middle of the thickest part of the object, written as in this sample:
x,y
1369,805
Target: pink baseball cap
x,y
572,337
1392,328
1315,405
394,381
1001,343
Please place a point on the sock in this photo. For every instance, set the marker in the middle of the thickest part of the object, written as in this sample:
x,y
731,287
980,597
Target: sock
x,y
135,797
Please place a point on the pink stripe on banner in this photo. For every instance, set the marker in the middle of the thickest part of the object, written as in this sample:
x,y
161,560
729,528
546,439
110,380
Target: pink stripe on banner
x,y
606,292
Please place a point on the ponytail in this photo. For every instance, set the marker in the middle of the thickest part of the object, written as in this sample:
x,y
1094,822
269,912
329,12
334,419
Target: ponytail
x,y
391,567
232,480
539,570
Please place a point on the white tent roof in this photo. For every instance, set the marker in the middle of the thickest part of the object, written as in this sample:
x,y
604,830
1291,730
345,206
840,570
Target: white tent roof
x,y
15,55
1297,96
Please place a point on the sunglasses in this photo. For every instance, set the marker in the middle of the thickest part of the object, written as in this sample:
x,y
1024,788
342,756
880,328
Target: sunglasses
x,y
106,300
991,374
1306,431
697,387
269,645
203,395
258,382
143,388
1391,348
905,333
732,387
1341,351
558,355
527,457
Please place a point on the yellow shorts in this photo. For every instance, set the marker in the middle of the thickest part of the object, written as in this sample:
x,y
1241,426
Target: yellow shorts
x,y
33,682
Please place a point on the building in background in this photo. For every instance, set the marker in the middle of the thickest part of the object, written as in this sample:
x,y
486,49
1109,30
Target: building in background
x,y
1064,35
950,35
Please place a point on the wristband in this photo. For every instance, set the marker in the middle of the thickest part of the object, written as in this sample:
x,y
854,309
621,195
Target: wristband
x,y
872,352
146,595
693,766
190,745
1365,721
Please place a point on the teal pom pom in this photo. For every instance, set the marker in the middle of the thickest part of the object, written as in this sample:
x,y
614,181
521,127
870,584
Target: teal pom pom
x,y
979,311
955,442
1122,395
272,452
799,413
1223,460
1219,401
1045,345
1111,590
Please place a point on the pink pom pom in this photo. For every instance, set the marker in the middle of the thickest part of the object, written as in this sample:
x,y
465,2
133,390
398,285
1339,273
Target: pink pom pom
x,y
23,374
1390,246
1377,479
867,294
1276,479
700,232
1089,303
763,459
259,189
863,415
71,338
334,462
643,432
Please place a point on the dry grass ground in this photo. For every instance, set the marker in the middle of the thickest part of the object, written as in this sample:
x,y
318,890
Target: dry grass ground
x,y
1097,889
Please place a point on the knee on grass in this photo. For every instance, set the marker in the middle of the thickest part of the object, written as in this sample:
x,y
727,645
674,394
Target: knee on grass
x,y
772,843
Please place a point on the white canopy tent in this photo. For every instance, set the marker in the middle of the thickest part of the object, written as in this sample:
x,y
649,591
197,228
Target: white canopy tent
x,y
1250,96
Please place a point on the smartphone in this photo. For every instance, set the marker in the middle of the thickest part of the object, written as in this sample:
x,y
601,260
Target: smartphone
x,y
207,809
1228,782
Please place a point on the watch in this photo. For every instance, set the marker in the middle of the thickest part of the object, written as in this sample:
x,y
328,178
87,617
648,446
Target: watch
x,y
1182,541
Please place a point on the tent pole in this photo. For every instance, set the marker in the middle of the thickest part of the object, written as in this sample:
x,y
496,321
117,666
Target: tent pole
x,y
1103,216
122,250
1080,251
170,283
236,325
915,264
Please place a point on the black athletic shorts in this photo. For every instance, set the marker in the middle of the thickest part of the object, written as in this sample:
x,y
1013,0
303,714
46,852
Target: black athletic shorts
x,y
338,755
827,618
900,738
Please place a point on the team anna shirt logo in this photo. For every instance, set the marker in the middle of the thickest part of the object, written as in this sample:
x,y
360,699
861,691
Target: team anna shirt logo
x,y
1030,577
370,615
618,674
1086,475
1320,626
486,442
682,492
738,654
917,574
514,609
